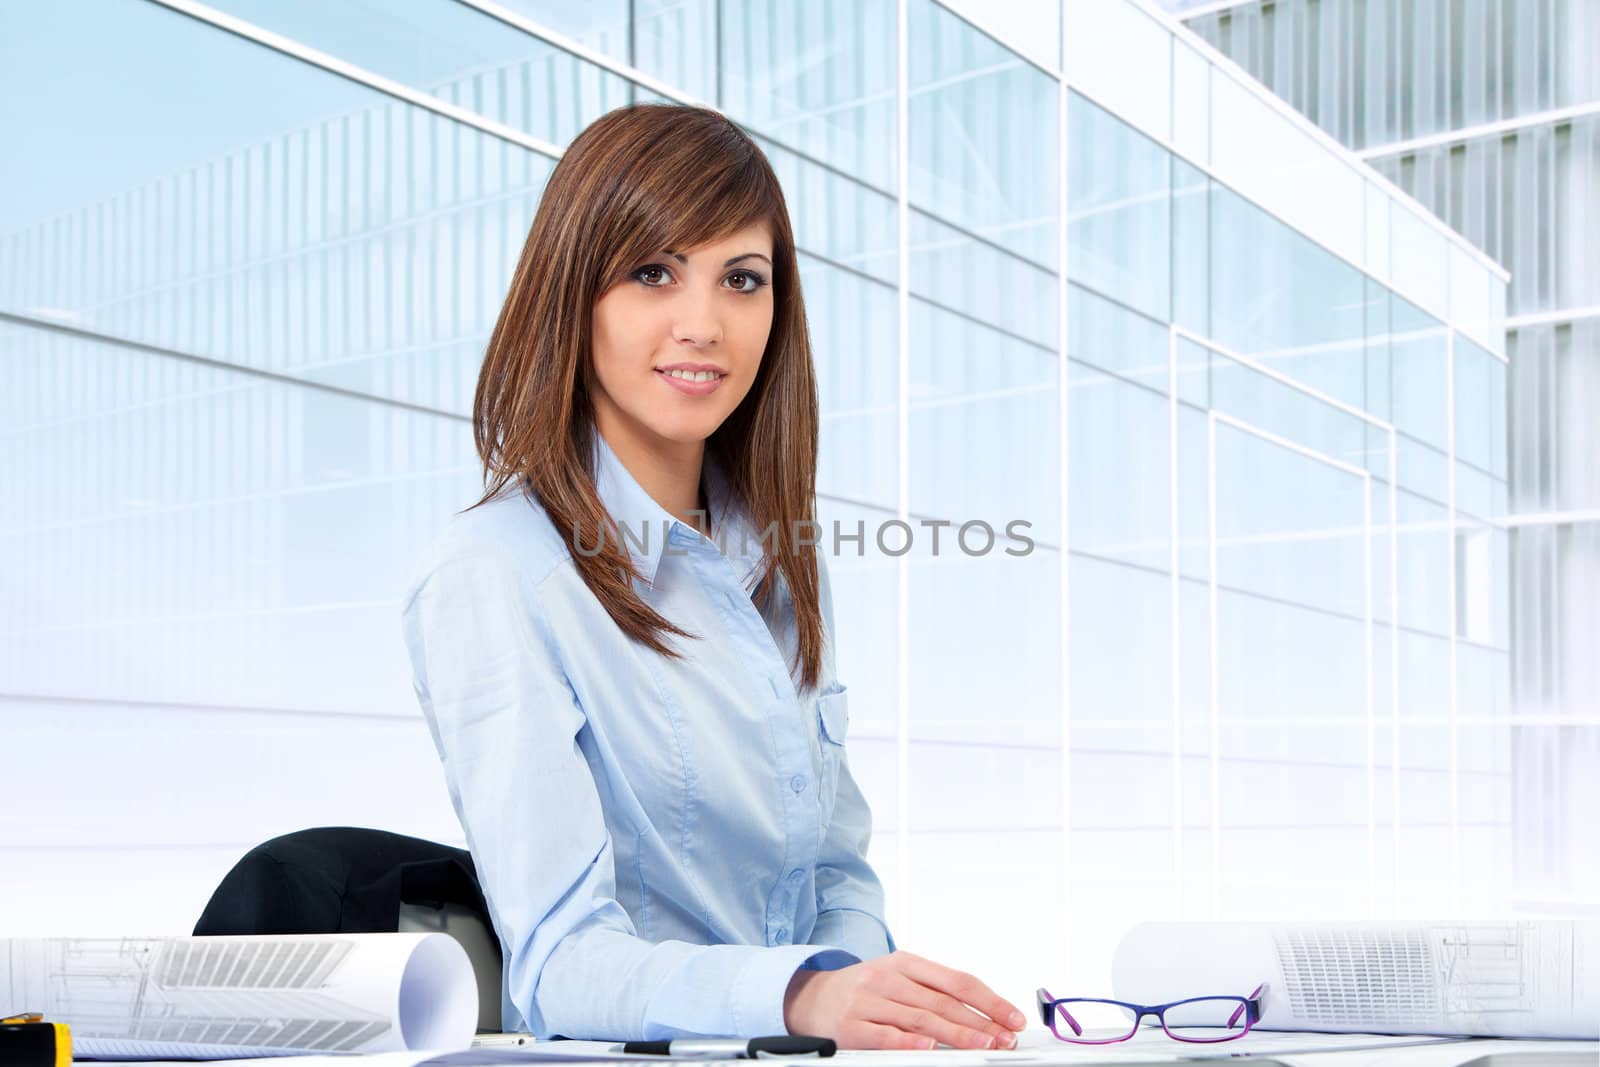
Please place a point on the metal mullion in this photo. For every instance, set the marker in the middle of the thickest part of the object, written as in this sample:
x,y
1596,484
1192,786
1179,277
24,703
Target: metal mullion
x,y
217,364
1064,490
1482,131
359,75
902,451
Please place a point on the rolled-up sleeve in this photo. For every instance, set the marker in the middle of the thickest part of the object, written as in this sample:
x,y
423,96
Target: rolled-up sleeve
x,y
506,724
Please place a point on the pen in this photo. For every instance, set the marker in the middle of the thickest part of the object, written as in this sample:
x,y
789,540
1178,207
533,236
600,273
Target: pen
x,y
495,1040
731,1048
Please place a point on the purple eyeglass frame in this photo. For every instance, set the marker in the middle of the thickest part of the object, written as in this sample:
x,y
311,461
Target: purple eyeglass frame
x,y
1249,1007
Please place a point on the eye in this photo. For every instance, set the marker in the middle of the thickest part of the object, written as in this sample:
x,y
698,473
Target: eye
x,y
754,280
650,271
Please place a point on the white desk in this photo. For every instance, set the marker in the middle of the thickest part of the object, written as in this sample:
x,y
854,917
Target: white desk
x,y
1040,1049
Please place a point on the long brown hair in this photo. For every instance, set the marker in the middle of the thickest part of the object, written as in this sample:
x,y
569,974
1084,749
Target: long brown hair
x,y
638,180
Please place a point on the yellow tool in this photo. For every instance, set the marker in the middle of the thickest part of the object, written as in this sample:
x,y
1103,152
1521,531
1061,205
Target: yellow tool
x,y
26,1040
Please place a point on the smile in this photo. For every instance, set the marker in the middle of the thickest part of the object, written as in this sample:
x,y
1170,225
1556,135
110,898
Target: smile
x,y
692,383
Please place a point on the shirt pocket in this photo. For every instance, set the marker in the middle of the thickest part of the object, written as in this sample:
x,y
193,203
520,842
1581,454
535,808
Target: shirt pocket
x,y
833,719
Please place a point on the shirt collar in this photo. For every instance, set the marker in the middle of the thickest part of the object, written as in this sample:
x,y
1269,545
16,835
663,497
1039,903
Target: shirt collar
x,y
731,526
647,527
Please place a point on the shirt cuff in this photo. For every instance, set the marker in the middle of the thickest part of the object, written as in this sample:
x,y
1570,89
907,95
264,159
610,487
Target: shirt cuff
x,y
858,931
758,991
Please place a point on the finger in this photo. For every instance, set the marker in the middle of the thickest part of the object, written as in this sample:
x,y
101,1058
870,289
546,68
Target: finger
x,y
929,1023
915,994
965,988
861,1034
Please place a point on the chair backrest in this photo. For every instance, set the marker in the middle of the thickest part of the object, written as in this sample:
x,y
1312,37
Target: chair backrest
x,y
345,879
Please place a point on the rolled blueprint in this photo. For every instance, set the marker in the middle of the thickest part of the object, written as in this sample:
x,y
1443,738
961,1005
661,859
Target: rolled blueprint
x,y
229,997
1532,978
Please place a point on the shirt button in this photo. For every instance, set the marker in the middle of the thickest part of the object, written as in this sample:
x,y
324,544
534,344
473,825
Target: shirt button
x,y
796,874
798,783
782,936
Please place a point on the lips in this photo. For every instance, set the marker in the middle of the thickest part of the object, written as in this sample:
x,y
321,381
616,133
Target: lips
x,y
692,367
688,387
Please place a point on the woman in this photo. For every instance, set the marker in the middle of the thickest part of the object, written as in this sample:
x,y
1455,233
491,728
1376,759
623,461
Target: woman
x,y
624,649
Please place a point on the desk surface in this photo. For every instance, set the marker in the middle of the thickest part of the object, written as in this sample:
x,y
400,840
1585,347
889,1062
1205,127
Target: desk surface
x,y
1040,1049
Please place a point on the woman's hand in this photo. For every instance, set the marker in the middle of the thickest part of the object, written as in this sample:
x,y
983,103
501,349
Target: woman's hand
x,y
900,1001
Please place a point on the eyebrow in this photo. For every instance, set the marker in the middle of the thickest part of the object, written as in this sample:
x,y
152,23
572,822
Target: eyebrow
x,y
681,258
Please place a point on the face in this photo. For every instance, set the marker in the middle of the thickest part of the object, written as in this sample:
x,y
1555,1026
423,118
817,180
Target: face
x,y
689,310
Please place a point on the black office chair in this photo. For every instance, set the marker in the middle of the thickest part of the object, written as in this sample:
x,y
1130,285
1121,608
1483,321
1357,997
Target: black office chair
x,y
346,879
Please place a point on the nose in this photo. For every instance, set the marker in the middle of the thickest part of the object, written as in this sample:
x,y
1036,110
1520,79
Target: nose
x,y
697,322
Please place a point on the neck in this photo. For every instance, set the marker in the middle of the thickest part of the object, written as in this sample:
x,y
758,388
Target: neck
x,y
669,471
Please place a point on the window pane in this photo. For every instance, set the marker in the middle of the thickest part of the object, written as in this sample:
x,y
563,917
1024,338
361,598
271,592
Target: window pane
x,y
1119,240
818,77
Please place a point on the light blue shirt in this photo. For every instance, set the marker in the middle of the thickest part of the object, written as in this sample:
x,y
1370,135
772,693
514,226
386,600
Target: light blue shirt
x,y
662,843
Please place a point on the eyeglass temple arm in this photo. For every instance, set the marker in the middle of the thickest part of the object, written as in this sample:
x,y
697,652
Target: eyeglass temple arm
x,y
1047,1007
1251,1008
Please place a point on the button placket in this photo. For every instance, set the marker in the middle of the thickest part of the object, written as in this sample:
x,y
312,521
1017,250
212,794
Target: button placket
x,y
745,614
795,747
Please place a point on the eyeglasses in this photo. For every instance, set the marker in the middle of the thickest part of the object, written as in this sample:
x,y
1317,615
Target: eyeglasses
x,y
1203,1020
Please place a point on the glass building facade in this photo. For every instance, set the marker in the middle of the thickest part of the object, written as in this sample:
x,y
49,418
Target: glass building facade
x,y
1489,115
1074,271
